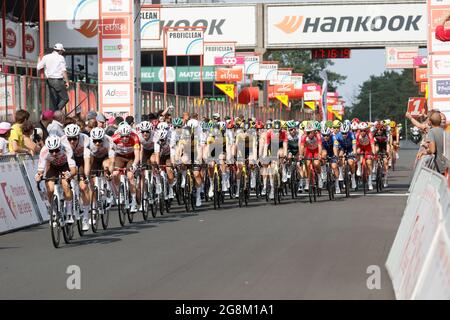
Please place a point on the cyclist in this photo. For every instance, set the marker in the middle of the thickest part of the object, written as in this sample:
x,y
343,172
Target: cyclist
x,y
382,146
214,149
365,147
394,139
345,144
162,147
311,148
55,159
146,139
79,142
101,153
294,146
198,142
336,126
265,153
126,147
328,153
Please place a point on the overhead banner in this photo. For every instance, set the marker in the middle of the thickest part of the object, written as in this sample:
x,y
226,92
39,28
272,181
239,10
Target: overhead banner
x,y
267,72
71,10
401,57
177,74
150,23
13,39
344,25
212,50
116,58
228,89
185,42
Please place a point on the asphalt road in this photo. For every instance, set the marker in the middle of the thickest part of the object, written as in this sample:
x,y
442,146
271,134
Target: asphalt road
x,y
295,250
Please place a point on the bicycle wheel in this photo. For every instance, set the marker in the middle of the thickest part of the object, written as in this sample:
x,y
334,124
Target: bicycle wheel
x,y
364,180
311,189
129,213
55,223
122,206
232,189
329,185
216,198
315,186
247,190
145,201
94,214
379,176
187,194
167,201
80,226
67,230
347,180
152,198
275,188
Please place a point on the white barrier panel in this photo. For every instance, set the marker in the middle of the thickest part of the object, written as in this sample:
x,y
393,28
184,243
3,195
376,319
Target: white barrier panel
x,y
424,214
30,166
16,206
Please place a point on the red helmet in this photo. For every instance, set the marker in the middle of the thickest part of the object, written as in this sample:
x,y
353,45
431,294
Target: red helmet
x,y
379,126
355,120
230,124
259,124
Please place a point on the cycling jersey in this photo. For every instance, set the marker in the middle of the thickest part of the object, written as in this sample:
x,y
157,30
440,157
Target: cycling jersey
x,y
364,142
344,144
64,156
81,150
162,146
103,150
381,138
282,137
149,144
293,144
311,144
125,149
328,145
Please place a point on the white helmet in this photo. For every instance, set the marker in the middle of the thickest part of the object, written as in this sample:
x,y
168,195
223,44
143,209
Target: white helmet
x,y
363,126
145,126
325,131
124,129
193,124
354,125
97,133
53,142
162,126
72,130
162,134
345,128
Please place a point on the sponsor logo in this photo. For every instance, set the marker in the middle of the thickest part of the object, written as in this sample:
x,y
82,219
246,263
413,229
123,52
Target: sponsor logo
x,y
11,38
115,26
9,199
229,61
443,87
115,47
228,74
291,24
88,28
116,93
29,43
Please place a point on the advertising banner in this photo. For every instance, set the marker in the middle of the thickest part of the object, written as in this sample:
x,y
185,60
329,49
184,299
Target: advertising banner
x,y
211,50
13,39
251,64
178,74
7,96
297,80
400,57
228,89
185,42
283,77
57,10
416,106
16,206
267,72
228,61
344,25
150,23
440,64
421,74
229,74
312,95
420,61
31,167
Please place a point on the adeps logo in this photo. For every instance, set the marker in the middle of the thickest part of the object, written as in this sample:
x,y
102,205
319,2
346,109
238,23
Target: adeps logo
x,y
376,23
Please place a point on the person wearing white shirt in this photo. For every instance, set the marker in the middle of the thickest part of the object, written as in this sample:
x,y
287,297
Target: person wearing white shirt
x,y
54,66
56,128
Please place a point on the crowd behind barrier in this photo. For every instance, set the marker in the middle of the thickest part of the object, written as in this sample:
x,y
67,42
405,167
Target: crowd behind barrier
x,y
32,94
419,260
21,204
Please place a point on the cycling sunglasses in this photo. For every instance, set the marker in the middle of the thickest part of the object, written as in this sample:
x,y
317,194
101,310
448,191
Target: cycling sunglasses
x,y
72,138
55,151
97,141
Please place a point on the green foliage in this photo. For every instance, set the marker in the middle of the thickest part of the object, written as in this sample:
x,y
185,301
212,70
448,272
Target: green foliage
x,y
390,93
301,62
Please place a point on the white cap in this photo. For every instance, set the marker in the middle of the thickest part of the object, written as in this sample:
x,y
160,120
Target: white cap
x,y
59,47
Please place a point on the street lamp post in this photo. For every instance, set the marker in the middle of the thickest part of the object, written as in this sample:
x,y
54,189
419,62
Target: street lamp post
x,y
370,106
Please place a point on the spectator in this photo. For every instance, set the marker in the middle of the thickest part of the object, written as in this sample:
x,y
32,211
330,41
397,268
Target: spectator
x,y
28,130
5,129
112,126
101,121
54,66
82,126
91,124
91,115
130,120
145,117
16,143
436,141
56,128
185,117
152,116
46,119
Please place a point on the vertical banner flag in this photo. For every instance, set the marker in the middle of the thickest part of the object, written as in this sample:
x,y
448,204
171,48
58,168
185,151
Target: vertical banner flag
x,y
324,76
213,50
228,89
150,23
116,57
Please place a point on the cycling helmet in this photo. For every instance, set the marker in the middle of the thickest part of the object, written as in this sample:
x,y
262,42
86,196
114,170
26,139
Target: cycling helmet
x,y
252,124
309,127
393,124
355,120
193,124
53,142
317,126
283,125
354,126
72,130
336,124
162,134
329,124
124,129
363,126
277,124
145,126
97,134
177,122
345,128
246,125
259,124
346,121
230,124
222,125
269,124
291,124
162,126
387,122
325,131
379,126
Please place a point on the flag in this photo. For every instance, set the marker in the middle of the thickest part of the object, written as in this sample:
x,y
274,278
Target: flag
x,y
323,75
284,99
228,89
311,104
